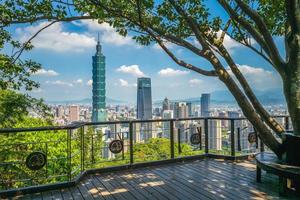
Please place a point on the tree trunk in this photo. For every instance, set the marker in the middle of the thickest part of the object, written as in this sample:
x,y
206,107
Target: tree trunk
x,y
292,83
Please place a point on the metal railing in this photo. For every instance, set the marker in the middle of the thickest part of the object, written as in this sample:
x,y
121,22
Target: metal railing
x,y
60,155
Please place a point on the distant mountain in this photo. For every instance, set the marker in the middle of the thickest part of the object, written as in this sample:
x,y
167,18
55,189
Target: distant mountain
x,y
269,97
87,101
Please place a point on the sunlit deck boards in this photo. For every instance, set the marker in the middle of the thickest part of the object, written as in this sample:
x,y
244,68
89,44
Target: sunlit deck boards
x,y
204,179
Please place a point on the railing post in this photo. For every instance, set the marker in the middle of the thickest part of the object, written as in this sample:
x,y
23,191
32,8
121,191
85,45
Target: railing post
x,y
69,153
131,141
82,130
239,139
199,129
172,138
179,142
206,134
232,137
286,122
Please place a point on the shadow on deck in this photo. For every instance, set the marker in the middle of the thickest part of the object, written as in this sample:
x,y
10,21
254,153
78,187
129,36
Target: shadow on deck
x,y
203,179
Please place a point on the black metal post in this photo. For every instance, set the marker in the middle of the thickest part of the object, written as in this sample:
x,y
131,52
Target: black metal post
x,y
172,138
83,148
46,173
239,139
123,156
232,137
199,129
69,135
179,142
131,141
206,134
92,153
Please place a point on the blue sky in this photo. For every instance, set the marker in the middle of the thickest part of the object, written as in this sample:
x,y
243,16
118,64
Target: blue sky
x,y
65,50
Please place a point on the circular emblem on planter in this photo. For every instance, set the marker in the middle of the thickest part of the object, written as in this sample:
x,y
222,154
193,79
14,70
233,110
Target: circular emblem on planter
x,y
252,137
195,138
116,146
36,160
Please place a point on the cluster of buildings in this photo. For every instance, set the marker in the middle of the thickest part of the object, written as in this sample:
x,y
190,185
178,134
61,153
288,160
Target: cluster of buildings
x,y
218,130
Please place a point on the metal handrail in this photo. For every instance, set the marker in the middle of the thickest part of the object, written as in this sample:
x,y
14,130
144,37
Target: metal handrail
x,y
76,125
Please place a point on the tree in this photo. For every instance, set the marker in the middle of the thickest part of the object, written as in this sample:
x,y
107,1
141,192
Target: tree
x,y
191,25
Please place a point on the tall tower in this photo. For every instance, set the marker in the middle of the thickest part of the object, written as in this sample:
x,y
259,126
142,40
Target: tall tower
x,y
144,98
99,112
205,105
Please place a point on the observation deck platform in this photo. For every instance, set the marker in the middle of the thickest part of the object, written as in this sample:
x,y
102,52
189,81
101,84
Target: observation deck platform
x,y
201,179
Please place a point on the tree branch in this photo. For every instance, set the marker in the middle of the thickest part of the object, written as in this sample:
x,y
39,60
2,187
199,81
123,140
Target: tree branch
x,y
18,53
263,29
256,35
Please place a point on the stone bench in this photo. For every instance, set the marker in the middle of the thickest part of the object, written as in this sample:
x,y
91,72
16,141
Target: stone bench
x,y
270,163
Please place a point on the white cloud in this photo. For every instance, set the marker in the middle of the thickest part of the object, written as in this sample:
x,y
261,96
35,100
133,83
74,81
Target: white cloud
x,y
108,33
230,44
131,69
55,38
59,82
169,45
259,78
79,81
124,83
89,83
170,72
44,72
195,82
37,90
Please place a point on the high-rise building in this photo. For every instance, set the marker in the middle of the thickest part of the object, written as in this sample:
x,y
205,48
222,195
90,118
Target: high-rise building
x,y
190,107
144,108
214,134
205,105
73,113
167,114
166,104
60,111
180,110
144,98
99,112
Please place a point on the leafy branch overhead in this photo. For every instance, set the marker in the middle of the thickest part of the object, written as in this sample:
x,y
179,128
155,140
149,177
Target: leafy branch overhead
x,y
195,27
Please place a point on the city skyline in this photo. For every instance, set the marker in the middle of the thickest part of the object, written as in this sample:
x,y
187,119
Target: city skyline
x,y
64,70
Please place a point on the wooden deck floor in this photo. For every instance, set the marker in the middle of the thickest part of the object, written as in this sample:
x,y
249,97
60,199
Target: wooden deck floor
x,y
203,179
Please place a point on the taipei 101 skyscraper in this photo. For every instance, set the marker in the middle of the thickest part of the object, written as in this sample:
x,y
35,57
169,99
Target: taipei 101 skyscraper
x,y
99,111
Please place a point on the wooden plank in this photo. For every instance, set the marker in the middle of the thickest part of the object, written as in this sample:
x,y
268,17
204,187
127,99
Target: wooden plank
x,y
92,189
57,194
66,194
47,195
75,193
132,190
106,194
125,192
84,192
195,183
157,184
171,188
212,182
141,182
36,196
244,186
132,180
174,181
106,183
